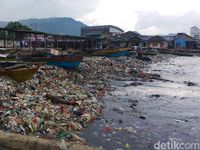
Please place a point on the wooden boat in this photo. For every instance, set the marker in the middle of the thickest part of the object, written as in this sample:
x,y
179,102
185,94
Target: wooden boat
x,y
19,73
64,61
35,57
112,52
72,61
4,64
7,57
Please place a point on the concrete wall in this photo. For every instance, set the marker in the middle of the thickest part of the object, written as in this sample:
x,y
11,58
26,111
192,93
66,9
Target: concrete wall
x,y
9,141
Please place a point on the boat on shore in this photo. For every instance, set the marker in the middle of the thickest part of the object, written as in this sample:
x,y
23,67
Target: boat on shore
x,y
5,64
19,72
112,52
64,61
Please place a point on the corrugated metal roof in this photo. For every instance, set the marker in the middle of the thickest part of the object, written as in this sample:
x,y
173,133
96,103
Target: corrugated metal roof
x,y
184,35
129,34
169,38
102,26
145,38
94,33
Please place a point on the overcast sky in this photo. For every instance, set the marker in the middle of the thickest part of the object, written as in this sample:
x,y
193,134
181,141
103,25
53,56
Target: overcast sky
x,y
144,16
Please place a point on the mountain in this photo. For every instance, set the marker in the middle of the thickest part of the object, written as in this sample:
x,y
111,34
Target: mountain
x,y
59,25
62,25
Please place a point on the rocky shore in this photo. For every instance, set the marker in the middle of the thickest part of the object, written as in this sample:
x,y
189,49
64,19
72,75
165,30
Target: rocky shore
x,y
57,102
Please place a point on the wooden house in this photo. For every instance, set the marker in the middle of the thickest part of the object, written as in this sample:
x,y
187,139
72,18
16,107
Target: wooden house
x,y
184,41
157,42
133,38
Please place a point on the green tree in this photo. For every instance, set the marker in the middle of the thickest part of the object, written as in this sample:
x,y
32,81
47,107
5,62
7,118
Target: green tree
x,y
17,26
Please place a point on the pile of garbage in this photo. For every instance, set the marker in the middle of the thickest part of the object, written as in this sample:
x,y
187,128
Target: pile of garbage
x,y
102,69
47,106
56,102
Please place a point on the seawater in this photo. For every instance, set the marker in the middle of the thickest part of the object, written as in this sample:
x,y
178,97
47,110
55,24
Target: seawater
x,y
171,109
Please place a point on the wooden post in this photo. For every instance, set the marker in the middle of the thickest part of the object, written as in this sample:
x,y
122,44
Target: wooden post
x,y
80,46
35,45
45,43
79,43
93,43
13,40
56,43
21,44
66,44
63,45
30,43
74,46
4,38
87,44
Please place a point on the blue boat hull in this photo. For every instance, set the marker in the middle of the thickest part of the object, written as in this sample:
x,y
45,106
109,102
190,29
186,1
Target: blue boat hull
x,y
118,54
65,64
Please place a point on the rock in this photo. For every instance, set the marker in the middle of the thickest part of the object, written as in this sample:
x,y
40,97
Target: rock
x,y
133,84
155,95
142,117
186,120
133,103
190,83
155,75
120,121
136,83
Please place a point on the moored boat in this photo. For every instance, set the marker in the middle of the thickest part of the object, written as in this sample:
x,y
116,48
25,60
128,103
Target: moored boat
x,y
112,52
19,73
4,64
65,61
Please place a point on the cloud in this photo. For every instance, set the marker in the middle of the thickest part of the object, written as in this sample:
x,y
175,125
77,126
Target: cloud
x,y
155,23
21,9
119,13
147,17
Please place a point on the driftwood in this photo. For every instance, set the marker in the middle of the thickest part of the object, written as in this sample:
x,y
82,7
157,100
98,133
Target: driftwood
x,y
57,99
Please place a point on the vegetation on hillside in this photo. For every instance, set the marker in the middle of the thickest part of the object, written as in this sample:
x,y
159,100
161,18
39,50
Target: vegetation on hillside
x,y
14,26
17,26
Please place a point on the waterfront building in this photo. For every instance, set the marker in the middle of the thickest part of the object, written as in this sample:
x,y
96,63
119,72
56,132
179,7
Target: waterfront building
x,y
182,40
195,32
157,42
100,32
